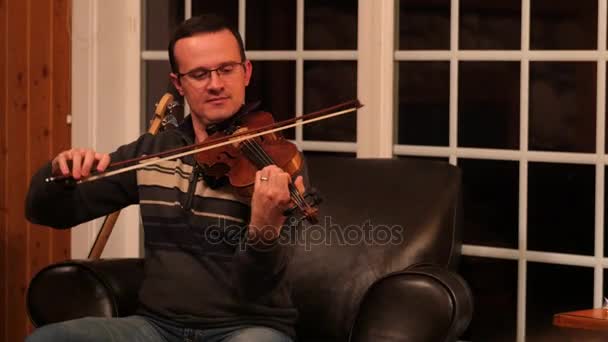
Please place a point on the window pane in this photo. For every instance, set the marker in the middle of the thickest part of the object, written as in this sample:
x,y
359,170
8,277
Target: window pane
x,y
561,208
563,24
494,286
490,195
605,294
330,25
157,83
424,103
562,106
424,25
160,19
228,9
553,289
327,83
490,24
273,83
271,25
488,104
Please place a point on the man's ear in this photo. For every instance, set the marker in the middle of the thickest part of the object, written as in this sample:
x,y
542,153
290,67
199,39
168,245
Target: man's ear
x,y
248,70
176,83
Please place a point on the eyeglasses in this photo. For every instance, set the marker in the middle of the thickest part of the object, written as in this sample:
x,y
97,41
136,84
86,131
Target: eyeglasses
x,y
203,75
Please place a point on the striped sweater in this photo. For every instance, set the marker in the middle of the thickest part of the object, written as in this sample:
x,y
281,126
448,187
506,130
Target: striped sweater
x,y
199,271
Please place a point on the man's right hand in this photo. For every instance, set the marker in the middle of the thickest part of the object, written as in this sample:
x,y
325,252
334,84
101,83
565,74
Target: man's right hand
x,y
82,161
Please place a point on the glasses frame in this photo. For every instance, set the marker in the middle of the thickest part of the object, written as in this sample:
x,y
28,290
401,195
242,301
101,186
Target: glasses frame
x,y
210,71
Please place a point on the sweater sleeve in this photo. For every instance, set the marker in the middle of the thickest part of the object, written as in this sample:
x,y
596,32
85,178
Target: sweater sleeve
x,y
261,267
63,206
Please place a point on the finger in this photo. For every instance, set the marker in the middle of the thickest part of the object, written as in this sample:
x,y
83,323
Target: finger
x,y
264,175
299,183
279,182
62,163
87,163
270,170
76,163
259,175
281,179
104,161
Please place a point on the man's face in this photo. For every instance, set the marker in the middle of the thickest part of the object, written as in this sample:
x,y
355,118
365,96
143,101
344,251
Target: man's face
x,y
217,95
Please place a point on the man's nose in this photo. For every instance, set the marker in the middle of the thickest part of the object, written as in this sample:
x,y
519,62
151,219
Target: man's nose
x,y
215,80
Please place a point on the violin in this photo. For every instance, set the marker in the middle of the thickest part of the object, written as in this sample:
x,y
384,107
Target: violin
x,y
239,151
240,161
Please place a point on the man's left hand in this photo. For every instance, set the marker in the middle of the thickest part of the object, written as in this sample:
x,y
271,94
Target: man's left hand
x,y
270,199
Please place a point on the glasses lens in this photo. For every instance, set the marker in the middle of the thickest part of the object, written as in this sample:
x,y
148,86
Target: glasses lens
x,y
226,69
203,75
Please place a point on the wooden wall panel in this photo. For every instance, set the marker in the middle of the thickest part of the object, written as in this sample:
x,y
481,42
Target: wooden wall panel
x,y
61,88
34,102
39,95
39,118
17,122
3,174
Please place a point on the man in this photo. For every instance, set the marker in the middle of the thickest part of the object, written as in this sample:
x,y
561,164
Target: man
x,y
201,283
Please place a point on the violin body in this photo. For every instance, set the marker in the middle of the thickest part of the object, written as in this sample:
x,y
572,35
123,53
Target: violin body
x,y
241,160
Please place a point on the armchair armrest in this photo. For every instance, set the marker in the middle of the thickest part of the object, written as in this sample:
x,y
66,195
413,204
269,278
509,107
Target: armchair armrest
x,y
424,303
79,288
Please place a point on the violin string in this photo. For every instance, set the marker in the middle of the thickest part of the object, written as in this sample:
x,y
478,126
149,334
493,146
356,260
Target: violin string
x,y
300,202
264,159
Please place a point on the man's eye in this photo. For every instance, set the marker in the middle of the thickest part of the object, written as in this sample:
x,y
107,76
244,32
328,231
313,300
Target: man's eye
x,y
200,74
226,69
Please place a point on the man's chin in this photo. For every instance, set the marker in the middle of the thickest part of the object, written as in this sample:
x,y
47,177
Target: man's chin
x,y
215,115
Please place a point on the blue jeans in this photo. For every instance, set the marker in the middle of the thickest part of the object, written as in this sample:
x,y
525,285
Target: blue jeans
x,y
143,329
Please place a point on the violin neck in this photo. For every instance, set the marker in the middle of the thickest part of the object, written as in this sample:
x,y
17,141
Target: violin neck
x,y
256,154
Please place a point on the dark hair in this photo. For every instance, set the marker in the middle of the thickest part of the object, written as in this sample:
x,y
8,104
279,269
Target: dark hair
x,y
207,23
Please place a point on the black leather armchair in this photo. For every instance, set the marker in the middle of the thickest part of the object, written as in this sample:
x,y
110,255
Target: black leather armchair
x,y
379,266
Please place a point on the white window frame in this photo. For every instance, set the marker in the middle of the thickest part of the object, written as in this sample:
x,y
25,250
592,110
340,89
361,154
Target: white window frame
x,y
106,92
598,262
105,101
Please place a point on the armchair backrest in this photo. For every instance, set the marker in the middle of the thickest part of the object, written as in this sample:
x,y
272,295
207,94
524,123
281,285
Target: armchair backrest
x,y
378,216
